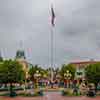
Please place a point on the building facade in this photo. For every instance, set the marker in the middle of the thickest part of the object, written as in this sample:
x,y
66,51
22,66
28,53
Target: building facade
x,y
20,57
80,68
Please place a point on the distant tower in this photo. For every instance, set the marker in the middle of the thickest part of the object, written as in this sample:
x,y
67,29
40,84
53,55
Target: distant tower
x,y
21,58
20,54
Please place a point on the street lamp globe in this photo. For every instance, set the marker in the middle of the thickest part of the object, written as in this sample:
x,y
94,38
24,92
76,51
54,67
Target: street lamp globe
x,y
67,71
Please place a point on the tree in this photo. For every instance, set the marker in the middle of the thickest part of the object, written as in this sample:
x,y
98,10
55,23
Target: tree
x,y
92,73
33,70
68,67
11,72
1,59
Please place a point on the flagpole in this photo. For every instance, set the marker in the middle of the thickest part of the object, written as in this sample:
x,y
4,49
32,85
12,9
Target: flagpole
x,y
52,52
52,40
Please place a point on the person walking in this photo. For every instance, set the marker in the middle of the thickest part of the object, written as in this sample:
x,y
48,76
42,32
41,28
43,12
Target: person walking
x,y
75,87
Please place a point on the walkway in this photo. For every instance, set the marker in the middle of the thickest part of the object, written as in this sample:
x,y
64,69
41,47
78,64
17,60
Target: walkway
x,y
50,96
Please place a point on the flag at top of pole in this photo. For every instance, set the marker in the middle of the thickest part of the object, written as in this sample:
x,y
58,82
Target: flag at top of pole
x,y
53,16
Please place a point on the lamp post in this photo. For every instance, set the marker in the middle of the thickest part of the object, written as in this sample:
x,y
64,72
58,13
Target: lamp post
x,y
67,75
26,77
37,75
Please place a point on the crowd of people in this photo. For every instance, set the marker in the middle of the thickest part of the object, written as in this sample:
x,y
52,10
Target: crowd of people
x,y
83,87
78,86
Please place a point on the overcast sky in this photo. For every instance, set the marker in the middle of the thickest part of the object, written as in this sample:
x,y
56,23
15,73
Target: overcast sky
x,y
76,33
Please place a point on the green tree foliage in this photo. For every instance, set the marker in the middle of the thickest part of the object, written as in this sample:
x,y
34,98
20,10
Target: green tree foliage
x,y
68,67
32,71
35,68
11,72
1,59
92,72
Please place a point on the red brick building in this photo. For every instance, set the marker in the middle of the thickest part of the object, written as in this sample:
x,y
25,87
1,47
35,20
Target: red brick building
x,y
80,67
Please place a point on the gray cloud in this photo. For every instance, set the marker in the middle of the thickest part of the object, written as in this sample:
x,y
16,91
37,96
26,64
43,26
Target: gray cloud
x,y
76,32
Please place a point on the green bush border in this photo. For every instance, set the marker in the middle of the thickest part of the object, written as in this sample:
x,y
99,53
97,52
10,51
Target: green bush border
x,y
67,93
39,93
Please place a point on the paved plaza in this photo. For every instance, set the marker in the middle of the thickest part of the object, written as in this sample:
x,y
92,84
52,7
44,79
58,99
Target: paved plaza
x,y
51,96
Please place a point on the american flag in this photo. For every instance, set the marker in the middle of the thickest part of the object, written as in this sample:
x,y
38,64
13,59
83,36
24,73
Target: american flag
x,y
53,16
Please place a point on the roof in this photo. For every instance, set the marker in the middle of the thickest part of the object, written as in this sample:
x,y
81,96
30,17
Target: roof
x,y
85,62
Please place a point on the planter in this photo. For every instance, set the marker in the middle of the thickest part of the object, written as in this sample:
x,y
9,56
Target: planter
x,y
13,94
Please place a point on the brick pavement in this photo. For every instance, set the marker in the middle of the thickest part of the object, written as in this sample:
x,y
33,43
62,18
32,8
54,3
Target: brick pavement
x,y
50,96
